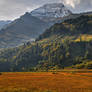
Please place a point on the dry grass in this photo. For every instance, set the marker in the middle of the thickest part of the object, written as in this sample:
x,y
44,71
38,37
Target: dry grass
x,y
46,82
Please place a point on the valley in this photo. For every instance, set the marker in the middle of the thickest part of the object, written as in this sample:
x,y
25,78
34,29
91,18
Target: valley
x,y
46,46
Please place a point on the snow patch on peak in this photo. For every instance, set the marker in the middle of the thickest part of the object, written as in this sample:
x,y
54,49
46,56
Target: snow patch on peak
x,y
54,10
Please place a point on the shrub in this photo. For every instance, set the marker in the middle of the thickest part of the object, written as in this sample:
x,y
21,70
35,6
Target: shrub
x,y
54,72
0,73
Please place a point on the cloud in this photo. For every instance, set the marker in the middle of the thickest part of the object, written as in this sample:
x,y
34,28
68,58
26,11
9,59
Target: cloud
x,y
11,9
79,5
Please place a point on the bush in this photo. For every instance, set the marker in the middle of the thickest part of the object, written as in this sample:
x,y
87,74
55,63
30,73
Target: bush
x,y
80,66
0,73
54,72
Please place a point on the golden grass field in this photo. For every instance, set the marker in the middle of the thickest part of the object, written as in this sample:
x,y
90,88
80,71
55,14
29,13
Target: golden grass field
x,y
46,82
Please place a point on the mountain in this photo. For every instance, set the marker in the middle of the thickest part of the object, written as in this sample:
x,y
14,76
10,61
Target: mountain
x,y
30,25
21,30
4,23
67,44
50,12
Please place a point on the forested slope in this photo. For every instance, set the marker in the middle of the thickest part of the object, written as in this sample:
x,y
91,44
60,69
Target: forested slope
x,y
67,44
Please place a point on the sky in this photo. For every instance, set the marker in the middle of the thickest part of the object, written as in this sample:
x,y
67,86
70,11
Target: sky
x,y
12,9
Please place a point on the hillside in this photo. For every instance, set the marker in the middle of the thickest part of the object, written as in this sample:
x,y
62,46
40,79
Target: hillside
x,y
77,26
67,44
21,30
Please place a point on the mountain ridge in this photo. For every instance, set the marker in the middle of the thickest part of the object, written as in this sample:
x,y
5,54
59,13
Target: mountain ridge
x,y
20,30
28,27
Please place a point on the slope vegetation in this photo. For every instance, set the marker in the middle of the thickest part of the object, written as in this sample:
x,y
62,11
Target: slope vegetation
x,y
63,45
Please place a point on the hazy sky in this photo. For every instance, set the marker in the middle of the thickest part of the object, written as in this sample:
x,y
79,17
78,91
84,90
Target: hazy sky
x,y
11,9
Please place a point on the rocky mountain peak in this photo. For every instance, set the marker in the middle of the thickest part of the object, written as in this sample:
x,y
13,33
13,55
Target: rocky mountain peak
x,y
53,10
